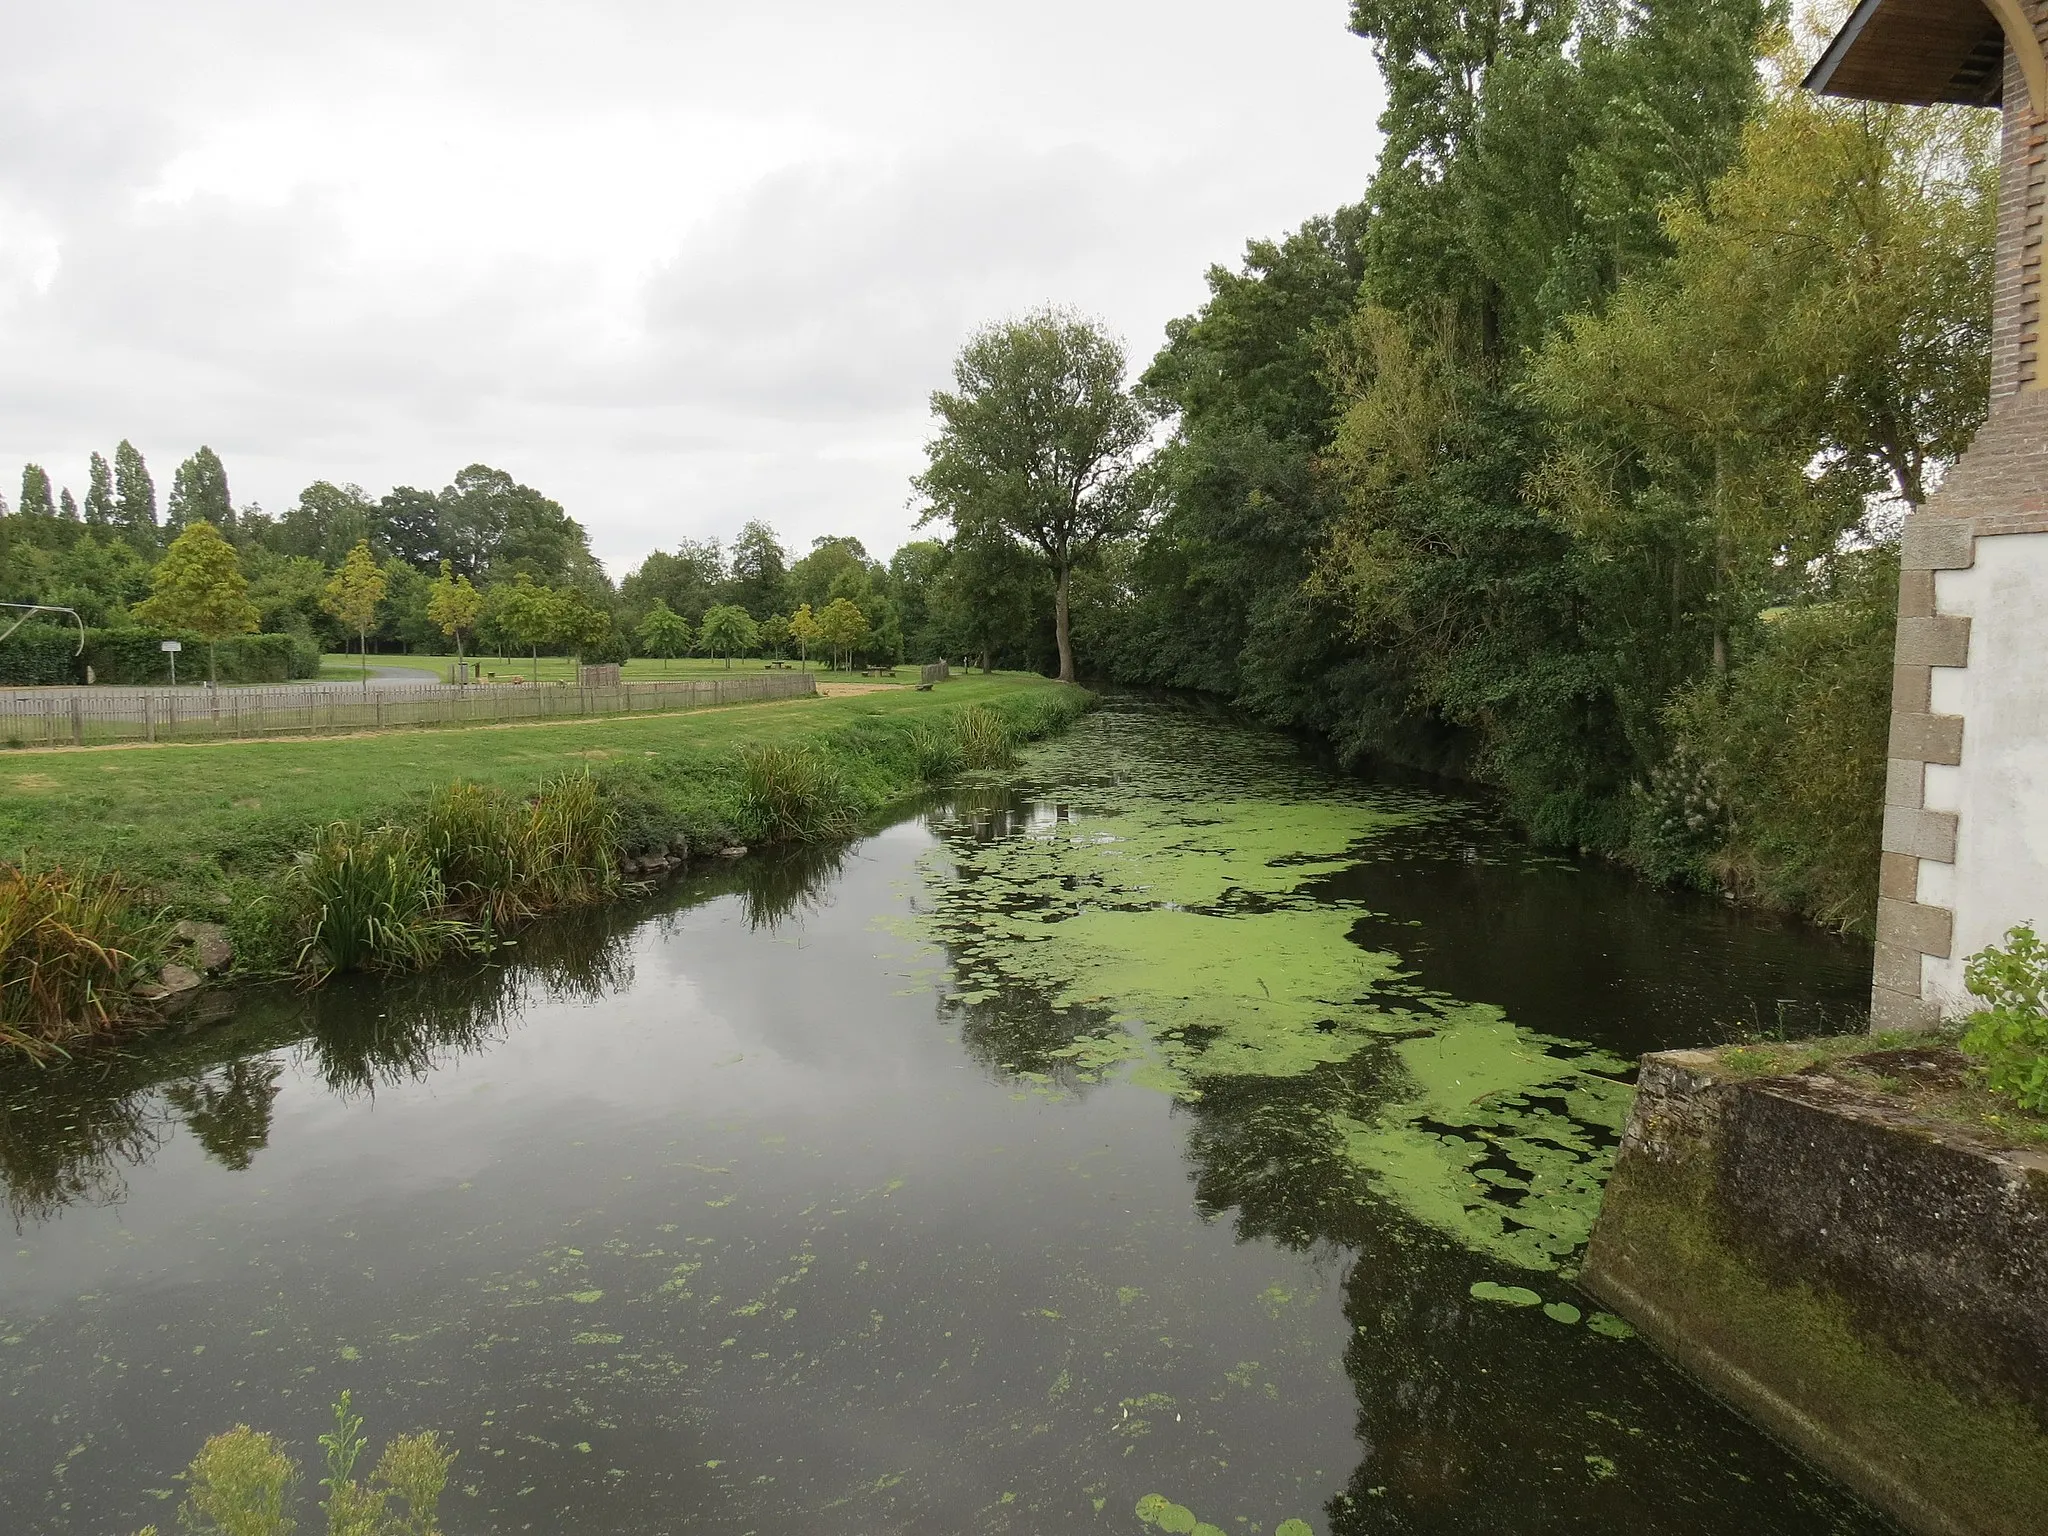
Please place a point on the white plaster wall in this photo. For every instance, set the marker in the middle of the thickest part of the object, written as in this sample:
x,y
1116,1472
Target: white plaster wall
x,y
2000,793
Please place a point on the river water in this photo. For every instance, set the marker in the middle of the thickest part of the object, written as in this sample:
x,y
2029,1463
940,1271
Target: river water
x,y
1173,1120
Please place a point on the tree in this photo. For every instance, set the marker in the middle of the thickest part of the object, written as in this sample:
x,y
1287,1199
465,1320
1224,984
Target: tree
x,y
352,597
199,490
134,498
664,632
805,631
67,506
35,492
842,626
328,521
454,605
727,628
99,494
775,635
1039,441
527,615
199,586
760,571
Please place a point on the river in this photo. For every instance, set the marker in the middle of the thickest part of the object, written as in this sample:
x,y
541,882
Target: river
x,y
1174,1120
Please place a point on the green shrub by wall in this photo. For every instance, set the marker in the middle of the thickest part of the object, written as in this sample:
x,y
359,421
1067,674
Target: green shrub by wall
x,y
38,655
136,656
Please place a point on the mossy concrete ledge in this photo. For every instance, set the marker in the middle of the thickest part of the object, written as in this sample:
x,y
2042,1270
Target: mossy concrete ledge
x,y
1868,1282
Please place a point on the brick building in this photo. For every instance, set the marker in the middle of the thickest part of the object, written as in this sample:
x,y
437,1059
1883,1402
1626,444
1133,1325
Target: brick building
x,y
1966,793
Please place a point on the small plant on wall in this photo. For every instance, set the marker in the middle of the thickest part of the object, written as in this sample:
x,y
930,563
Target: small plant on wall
x,y
2009,1038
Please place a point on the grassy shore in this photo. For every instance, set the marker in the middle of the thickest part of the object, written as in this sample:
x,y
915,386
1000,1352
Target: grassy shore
x,y
216,831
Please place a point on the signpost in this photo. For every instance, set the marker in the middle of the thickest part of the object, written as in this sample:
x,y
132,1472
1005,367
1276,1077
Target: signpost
x,y
171,648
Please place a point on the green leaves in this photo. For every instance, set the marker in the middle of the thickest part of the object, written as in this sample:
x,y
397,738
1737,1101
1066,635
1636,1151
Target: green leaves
x,y
2010,1038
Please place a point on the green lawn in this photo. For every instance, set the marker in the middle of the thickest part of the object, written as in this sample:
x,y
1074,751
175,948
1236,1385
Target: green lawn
x,y
195,820
641,669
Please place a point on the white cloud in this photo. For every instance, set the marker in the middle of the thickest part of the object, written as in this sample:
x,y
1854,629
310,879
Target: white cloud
x,y
677,264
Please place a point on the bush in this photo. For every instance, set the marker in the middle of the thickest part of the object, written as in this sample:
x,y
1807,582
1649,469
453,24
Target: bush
x,y
1795,739
2010,1037
69,947
242,1483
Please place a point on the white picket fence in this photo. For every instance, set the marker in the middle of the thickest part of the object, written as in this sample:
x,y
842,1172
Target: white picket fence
x,y
97,716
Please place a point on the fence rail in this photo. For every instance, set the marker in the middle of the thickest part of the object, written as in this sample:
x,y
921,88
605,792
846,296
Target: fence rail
x,y
100,716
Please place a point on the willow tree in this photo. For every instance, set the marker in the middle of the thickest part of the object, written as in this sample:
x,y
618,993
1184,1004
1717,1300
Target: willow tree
x,y
1038,444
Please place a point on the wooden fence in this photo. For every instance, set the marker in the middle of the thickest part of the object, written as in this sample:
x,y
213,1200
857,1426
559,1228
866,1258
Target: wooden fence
x,y
84,717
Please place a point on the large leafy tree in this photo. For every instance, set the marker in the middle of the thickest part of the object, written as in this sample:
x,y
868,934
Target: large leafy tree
x,y
727,628
1038,441
199,492
760,569
842,626
664,633
199,586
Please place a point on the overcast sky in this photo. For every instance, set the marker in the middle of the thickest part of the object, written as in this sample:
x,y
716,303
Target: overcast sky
x,y
676,263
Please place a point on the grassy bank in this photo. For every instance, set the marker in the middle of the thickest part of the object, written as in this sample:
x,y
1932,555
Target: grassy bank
x,y
274,839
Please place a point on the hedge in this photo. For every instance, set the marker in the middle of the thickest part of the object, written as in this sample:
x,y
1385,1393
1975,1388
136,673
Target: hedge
x,y
40,655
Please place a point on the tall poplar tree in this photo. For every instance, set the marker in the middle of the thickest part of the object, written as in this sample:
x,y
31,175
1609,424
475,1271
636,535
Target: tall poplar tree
x,y
35,492
134,498
199,492
99,494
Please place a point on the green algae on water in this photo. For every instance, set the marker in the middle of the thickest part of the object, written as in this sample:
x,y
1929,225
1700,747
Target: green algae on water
x,y
1169,927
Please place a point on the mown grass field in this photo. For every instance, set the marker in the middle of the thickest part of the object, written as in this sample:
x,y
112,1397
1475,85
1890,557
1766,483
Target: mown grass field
x,y
192,821
552,669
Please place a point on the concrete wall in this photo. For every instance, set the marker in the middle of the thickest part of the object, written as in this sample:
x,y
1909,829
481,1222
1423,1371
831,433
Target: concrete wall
x,y
1999,792
1869,1284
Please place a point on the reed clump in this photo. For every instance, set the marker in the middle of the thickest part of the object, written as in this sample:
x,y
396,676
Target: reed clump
x,y
477,862
984,737
69,949
790,793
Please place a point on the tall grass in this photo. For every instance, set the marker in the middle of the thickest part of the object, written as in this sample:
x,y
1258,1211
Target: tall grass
x,y
792,794
398,898
68,950
984,738
374,901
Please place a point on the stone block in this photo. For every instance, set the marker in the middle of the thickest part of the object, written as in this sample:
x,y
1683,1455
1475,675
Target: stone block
x,y
1911,925
1896,969
1905,783
1923,834
1937,544
1916,594
1927,738
1901,1012
1942,641
1912,690
1898,876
